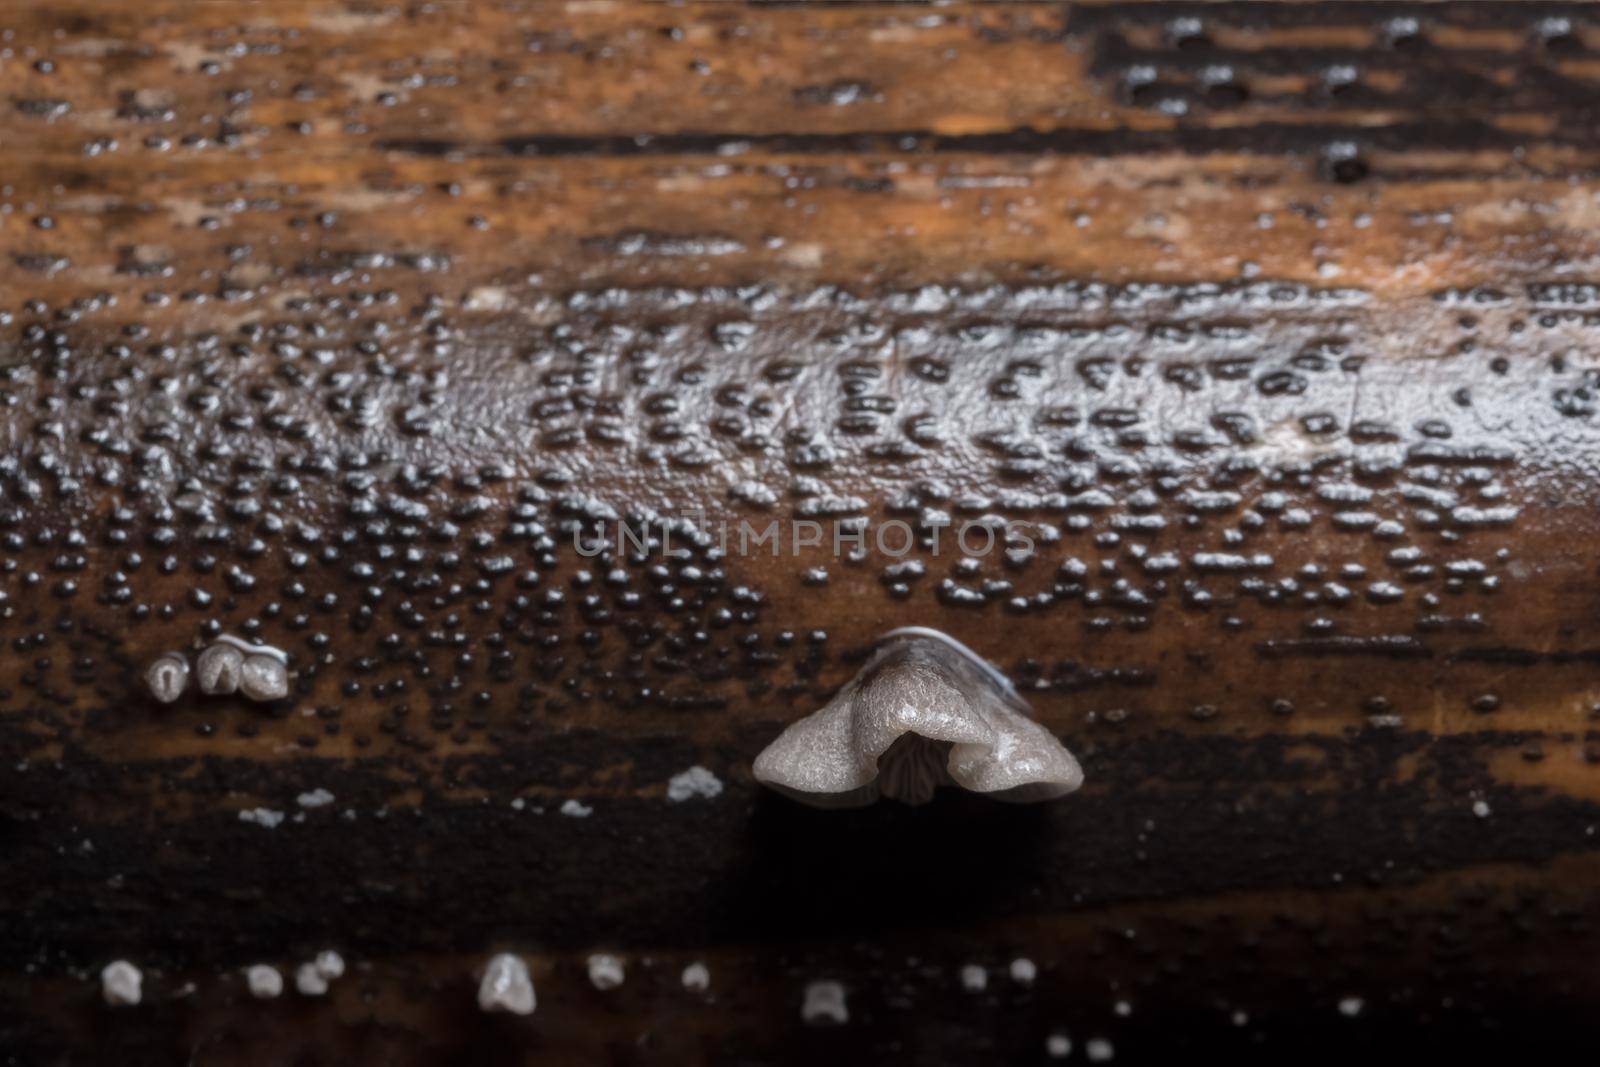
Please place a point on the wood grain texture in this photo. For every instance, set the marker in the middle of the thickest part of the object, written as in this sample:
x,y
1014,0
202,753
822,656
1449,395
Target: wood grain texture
x,y
332,325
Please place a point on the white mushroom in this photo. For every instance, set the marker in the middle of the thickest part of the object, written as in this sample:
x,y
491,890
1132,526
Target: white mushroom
x,y
310,981
121,983
605,970
924,711
329,964
263,677
232,665
506,986
694,782
264,981
697,977
167,677
219,667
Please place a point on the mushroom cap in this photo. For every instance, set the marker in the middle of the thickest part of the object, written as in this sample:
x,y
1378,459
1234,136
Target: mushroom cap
x,y
263,677
167,677
121,983
218,669
506,986
928,685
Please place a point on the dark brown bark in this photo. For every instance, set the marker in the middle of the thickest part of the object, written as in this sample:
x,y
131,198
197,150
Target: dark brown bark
x,y
330,326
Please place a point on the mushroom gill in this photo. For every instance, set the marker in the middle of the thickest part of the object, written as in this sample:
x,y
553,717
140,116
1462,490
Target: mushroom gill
x,y
925,711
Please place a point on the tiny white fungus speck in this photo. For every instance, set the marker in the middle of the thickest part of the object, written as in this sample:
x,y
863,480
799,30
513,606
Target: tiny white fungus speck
x,y
824,1003
694,782
329,964
121,983
1480,808
1350,1007
309,981
605,970
487,298
1058,1046
265,982
576,809
1023,970
506,986
264,817
696,977
314,799
1099,1050
974,979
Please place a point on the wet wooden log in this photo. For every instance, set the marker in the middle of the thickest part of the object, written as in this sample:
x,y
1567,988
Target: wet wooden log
x,y
347,328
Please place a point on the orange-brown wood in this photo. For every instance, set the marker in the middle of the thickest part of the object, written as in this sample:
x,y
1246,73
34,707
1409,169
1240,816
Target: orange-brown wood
x,y
329,325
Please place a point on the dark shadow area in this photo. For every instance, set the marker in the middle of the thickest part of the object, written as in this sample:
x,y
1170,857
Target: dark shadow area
x,y
884,868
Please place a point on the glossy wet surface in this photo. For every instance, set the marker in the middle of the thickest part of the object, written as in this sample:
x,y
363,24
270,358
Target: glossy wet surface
x,y
341,330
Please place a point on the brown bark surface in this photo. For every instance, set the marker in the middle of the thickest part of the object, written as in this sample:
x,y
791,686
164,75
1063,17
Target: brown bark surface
x,y
331,325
